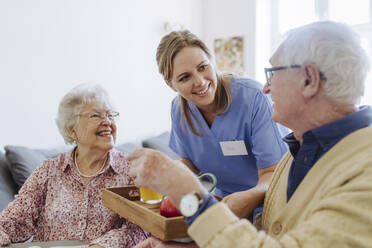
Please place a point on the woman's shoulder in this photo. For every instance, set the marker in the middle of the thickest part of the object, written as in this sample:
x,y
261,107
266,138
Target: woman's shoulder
x,y
117,155
50,167
176,103
246,84
59,159
245,90
118,161
176,109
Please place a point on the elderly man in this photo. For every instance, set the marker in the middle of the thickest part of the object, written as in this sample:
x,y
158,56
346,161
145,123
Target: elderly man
x,y
321,191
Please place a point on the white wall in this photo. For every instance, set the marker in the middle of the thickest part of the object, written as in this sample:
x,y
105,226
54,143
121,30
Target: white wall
x,y
49,46
224,19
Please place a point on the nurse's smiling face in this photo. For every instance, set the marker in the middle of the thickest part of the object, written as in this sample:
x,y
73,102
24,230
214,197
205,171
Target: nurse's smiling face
x,y
194,77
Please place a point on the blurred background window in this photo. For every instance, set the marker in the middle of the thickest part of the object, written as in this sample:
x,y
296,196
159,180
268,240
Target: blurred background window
x,y
278,16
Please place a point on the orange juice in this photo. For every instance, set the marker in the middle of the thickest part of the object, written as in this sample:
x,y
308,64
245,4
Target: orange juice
x,y
149,196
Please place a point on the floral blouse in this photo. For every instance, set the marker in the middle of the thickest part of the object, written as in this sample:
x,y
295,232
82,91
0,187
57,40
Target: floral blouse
x,y
55,204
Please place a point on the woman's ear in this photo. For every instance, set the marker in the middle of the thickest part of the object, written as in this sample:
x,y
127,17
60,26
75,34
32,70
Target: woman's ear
x,y
71,132
170,84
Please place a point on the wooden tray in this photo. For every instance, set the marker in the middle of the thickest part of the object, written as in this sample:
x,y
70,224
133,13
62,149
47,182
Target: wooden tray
x,y
147,216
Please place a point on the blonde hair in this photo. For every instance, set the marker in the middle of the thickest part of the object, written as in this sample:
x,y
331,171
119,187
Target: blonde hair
x,y
168,48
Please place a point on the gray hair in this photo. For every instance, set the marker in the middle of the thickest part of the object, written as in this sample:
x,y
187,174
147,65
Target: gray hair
x,y
71,104
337,52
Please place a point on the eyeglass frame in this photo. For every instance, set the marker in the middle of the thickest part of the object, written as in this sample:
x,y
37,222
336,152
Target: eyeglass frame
x,y
278,68
100,116
269,71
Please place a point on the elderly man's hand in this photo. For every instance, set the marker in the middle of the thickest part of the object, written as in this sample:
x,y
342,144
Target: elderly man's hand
x,y
156,243
153,169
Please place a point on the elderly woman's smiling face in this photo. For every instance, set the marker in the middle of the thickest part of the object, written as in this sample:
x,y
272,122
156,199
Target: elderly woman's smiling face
x,y
96,128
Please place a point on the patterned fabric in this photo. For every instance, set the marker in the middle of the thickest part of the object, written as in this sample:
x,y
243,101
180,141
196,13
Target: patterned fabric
x,y
55,204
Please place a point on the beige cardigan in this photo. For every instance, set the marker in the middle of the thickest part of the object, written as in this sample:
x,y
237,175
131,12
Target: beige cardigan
x,y
332,207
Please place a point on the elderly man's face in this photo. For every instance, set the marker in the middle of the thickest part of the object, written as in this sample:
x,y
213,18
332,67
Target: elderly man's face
x,y
285,90
95,130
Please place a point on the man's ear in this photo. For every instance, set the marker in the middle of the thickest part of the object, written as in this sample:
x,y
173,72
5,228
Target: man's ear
x,y
312,82
170,84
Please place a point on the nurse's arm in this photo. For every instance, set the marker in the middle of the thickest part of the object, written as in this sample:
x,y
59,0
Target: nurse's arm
x,y
244,202
191,165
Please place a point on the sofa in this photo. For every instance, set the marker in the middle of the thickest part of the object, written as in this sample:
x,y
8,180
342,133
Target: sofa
x,y
18,162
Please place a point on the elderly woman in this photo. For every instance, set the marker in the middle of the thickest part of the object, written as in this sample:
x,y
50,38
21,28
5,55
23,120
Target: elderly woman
x,y
61,200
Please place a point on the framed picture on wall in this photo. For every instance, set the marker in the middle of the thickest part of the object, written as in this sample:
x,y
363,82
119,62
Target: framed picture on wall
x,y
229,54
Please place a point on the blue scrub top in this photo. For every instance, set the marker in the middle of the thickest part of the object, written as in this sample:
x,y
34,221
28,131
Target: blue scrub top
x,y
248,119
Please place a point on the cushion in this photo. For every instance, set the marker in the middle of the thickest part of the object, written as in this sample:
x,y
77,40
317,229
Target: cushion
x,y
126,147
23,161
8,188
160,143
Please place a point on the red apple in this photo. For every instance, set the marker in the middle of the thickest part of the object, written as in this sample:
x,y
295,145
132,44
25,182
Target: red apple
x,y
167,208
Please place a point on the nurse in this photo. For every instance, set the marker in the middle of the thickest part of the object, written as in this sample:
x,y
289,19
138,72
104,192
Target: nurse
x,y
220,123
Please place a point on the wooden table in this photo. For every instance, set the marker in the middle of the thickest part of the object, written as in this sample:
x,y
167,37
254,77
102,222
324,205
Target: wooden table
x,y
50,244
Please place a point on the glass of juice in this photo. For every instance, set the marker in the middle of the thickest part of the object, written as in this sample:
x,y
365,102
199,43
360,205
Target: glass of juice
x,y
149,196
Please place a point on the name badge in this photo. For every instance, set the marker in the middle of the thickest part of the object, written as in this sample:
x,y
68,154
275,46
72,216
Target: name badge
x,y
233,148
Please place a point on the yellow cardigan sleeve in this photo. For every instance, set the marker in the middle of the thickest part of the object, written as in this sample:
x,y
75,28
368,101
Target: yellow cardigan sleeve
x,y
219,227
342,218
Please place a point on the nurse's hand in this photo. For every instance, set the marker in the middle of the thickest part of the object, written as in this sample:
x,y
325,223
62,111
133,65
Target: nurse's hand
x,y
153,169
156,243
241,203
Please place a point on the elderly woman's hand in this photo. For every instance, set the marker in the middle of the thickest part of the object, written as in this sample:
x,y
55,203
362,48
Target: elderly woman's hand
x,y
156,243
153,169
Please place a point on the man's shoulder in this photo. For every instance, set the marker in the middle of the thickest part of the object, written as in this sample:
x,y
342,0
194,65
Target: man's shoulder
x,y
360,139
353,154
358,144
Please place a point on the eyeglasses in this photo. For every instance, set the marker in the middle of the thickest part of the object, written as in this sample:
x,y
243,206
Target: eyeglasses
x,y
269,72
97,116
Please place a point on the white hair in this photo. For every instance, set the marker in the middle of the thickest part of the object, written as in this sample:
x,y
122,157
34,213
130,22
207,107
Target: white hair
x,y
71,104
336,50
